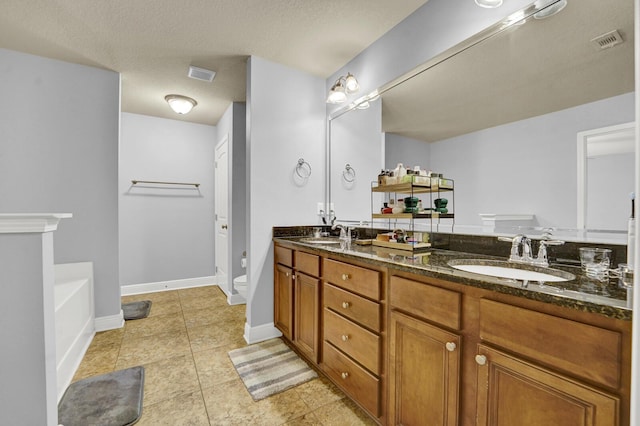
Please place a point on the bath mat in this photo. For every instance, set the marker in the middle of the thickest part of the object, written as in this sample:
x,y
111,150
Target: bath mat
x,y
112,399
270,367
136,310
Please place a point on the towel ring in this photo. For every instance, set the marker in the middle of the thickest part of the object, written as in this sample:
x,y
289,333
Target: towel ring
x,y
303,169
349,173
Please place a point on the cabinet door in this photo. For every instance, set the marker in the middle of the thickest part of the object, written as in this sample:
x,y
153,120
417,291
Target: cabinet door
x,y
283,300
515,392
424,369
306,314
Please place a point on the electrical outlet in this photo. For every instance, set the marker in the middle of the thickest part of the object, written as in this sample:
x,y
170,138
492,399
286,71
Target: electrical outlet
x,y
320,209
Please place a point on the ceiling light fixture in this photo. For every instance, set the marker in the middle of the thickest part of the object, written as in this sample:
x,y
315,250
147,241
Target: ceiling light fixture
x,y
489,4
547,9
180,104
342,86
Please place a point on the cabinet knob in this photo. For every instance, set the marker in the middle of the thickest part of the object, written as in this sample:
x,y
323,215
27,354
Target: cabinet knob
x,y
481,359
344,375
346,305
345,277
286,274
345,337
451,346
293,277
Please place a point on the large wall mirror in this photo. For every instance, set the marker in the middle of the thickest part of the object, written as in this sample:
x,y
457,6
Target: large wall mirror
x,y
501,115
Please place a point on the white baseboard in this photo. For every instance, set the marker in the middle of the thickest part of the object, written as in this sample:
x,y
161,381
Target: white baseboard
x,y
260,333
128,290
71,361
110,322
236,299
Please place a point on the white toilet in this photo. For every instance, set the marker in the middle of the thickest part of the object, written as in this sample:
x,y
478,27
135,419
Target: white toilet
x,y
240,284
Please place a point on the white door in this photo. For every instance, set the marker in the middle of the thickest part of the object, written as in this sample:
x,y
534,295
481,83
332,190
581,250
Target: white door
x,y
221,212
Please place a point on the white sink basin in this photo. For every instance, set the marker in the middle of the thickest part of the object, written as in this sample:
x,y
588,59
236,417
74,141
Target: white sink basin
x,y
512,271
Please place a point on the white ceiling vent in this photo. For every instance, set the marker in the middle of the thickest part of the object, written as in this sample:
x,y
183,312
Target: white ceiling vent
x,y
608,40
201,74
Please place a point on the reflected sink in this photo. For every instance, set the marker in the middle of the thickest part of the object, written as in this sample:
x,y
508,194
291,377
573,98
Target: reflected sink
x,y
510,270
320,240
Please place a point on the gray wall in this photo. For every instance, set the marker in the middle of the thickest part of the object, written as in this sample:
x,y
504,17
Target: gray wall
x,y
528,166
166,232
284,123
356,139
59,153
409,152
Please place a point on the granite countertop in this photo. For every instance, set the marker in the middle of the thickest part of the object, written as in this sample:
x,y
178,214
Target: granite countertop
x,y
582,293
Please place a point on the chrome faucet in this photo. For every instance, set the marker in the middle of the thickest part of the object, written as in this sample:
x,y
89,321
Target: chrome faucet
x,y
525,242
345,235
545,241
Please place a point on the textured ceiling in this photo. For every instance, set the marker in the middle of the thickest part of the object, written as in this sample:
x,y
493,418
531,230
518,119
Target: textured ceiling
x,y
528,70
153,42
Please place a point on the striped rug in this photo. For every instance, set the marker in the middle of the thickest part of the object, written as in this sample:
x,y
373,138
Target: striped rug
x,y
270,367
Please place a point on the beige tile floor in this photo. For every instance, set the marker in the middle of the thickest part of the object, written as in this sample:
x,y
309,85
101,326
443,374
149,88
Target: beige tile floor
x,y
189,379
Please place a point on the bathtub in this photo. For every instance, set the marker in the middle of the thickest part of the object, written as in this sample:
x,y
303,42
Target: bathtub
x,y
74,318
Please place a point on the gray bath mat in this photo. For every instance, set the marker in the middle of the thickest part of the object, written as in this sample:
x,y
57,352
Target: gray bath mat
x,y
136,310
112,399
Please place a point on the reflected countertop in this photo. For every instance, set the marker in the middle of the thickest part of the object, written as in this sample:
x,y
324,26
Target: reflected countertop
x,y
583,293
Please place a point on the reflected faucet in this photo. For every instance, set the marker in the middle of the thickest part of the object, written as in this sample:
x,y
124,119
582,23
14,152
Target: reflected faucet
x,y
525,242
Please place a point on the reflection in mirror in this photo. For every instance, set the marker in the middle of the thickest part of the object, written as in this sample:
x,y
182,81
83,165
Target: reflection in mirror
x,y
606,177
501,117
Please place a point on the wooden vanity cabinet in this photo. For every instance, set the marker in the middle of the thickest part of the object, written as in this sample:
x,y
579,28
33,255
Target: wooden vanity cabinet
x,y
297,299
416,350
352,324
307,304
548,371
283,291
512,391
468,356
424,357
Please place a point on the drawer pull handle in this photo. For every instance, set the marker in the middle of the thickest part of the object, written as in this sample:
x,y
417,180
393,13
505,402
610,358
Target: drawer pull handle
x,y
345,337
345,277
481,359
346,305
451,346
344,375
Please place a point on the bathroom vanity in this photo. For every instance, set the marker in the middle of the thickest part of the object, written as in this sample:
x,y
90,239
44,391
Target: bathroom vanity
x,y
414,341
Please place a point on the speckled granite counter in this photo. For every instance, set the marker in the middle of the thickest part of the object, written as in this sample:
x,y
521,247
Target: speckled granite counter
x,y
583,293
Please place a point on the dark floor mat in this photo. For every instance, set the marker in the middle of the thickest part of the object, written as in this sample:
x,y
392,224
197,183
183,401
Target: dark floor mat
x,y
112,399
136,310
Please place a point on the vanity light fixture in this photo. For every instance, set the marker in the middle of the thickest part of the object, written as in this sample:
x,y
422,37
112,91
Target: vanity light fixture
x,y
342,86
180,104
489,4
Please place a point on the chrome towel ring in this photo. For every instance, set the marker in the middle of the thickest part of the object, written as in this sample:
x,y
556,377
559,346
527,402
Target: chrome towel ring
x,y
303,169
349,173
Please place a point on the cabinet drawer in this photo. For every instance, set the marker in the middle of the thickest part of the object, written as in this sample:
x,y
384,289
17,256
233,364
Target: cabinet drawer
x,y
423,300
353,379
307,263
359,309
580,349
353,278
360,344
283,255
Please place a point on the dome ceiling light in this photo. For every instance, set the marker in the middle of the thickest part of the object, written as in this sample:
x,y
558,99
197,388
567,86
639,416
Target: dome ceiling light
x,y
180,104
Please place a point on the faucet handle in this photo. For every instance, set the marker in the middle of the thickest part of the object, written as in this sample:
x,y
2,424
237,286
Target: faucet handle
x,y
546,242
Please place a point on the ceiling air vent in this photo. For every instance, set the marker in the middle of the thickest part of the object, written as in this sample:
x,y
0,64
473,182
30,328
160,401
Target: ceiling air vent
x,y
608,40
201,74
